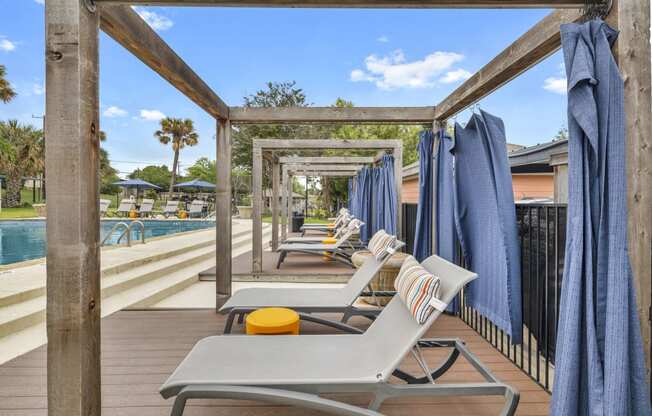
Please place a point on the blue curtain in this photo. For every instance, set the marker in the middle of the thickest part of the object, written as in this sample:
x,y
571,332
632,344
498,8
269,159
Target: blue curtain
x,y
487,221
446,198
384,197
423,228
351,195
600,369
363,201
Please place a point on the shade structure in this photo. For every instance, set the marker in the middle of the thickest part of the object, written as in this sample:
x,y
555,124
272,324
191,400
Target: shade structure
x,y
600,369
195,183
136,183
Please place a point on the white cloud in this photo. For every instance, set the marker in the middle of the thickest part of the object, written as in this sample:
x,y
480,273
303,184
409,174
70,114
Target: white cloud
x,y
115,111
6,45
157,21
38,89
151,115
394,71
383,39
454,76
40,1
556,85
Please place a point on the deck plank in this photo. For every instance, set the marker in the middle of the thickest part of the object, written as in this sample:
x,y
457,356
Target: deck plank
x,y
141,348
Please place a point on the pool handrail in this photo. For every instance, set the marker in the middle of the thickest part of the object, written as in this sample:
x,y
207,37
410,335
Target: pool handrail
x,y
126,232
110,233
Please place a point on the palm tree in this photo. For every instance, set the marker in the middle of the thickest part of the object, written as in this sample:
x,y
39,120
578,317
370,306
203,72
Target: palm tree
x,y
6,92
23,156
180,133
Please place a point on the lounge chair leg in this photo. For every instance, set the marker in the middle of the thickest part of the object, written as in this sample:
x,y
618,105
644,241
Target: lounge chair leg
x,y
241,318
229,322
281,257
512,398
179,405
378,400
347,315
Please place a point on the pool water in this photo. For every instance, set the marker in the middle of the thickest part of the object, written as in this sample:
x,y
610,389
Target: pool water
x,y
25,240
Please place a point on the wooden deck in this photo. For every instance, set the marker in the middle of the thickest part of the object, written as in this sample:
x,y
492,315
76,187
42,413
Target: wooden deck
x,y
141,348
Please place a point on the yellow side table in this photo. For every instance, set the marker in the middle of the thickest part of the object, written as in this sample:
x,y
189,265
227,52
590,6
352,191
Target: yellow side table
x,y
273,321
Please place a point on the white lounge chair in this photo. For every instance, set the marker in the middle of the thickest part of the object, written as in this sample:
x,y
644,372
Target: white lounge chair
x,y
295,370
311,239
146,207
104,206
337,251
196,208
342,220
171,208
307,301
125,207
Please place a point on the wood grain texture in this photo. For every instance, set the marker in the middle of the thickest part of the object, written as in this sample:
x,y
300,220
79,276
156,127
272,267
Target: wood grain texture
x,y
536,44
73,221
276,179
326,160
242,115
323,144
223,211
127,28
140,349
257,211
406,4
633,55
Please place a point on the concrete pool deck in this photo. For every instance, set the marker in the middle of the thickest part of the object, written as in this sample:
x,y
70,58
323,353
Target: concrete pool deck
x,y
136,276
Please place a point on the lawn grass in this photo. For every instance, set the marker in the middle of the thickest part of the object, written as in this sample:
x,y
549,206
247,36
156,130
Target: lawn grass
x,y
311,220
13,213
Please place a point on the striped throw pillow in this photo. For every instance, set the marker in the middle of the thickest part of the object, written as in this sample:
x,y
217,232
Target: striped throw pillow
x,y
380,244
418,289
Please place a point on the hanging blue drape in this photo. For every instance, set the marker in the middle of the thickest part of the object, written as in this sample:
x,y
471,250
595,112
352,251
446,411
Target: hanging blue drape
x,y
350,196
384,197
446,198
487,221
600,369
363,194
423,227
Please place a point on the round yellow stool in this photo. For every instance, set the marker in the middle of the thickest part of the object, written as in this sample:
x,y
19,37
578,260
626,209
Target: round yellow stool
x,y
273,321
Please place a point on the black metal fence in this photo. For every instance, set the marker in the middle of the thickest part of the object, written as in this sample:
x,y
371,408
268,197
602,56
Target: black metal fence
x,y
542,234
409,226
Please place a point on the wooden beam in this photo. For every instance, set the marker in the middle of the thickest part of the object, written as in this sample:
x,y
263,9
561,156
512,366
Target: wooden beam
x,y
127,28
633,55
73,225
223,209
332,115
323,168
276,178
536,44
326,159
257,211
284,204
343,174
290,204
317,144
361,4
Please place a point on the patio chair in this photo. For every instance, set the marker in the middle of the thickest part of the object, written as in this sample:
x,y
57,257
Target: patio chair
x,y
104,206
171,208
296,370
196,208
125,207
146,207
339,251
342,219
307,301
312,239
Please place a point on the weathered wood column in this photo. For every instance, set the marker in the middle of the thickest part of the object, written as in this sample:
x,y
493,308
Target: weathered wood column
x,y
284,205
290,203
73,222
257,214
276,177
633,54
223,211
398,177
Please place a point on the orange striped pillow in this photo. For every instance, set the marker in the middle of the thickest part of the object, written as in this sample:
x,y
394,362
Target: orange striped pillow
x,y
418,289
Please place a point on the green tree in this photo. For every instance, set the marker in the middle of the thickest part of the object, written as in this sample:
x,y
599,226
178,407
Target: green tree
x,y
108,174
203,169
158,175
7,93
180,133
23,156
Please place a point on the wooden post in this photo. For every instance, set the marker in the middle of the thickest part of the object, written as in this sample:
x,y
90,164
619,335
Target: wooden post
x,y
223,211
276,177
73,221
257,237
284,205
398,178
633,54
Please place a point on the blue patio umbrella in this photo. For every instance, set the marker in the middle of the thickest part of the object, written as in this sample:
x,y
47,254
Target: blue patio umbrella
x,y
136,183
195,183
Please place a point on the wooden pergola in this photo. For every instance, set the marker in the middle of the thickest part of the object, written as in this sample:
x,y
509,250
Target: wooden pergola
x,y
72,148
295,165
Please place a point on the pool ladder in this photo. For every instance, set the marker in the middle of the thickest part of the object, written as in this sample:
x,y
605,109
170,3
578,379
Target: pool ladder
x,y
127,232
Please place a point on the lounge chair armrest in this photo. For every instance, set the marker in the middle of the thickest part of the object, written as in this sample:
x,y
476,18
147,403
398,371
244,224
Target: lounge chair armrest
x,y
333,324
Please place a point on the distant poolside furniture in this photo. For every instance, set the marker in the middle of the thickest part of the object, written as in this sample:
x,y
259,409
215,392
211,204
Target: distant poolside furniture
x,y
104,206
326,300
171,208
146,207
125,207
296,370
342,219
334,251
312,239
196,208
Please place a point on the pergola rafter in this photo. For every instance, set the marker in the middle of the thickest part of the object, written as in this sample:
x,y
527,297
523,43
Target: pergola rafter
x,y
72,123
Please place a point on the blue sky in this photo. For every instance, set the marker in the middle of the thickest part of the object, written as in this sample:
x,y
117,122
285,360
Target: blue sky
x,y
371,57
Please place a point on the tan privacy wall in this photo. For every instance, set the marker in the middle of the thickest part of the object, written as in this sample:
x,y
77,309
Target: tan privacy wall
x,y
411,191
533,186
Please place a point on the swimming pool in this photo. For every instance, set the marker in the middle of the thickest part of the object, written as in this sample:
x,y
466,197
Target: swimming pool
x,y
25,240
